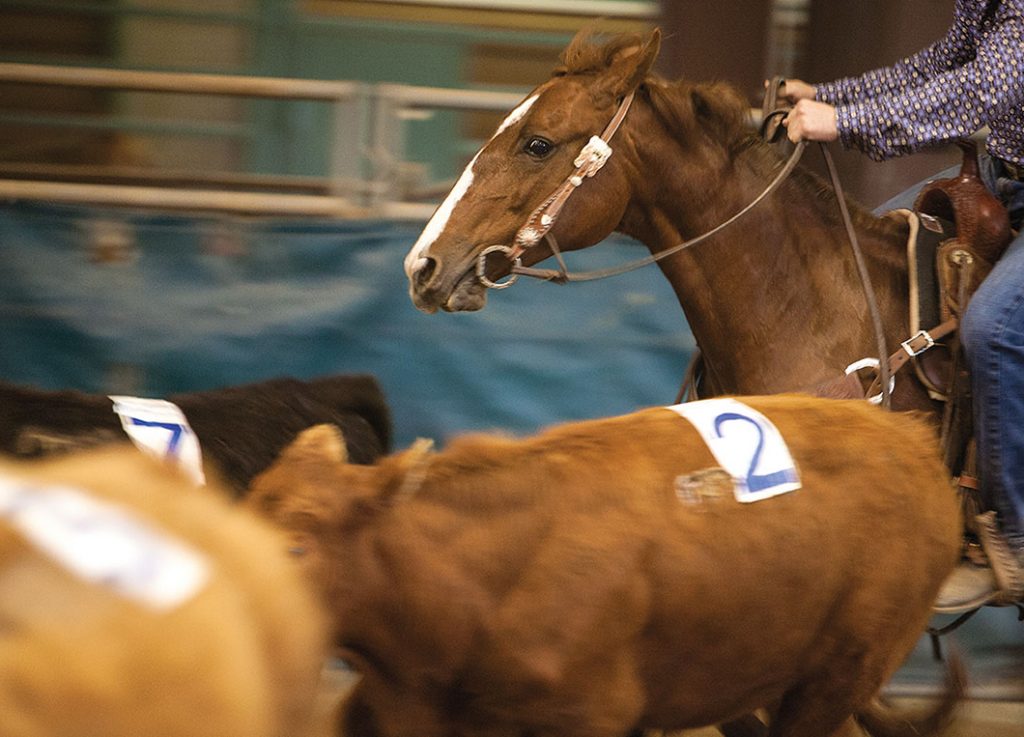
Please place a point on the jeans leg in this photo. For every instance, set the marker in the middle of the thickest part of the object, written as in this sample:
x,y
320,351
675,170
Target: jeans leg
x,y
905,199
992,333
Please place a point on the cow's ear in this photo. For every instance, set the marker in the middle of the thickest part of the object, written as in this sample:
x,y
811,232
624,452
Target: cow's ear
x,y
312,454
319,443
408,470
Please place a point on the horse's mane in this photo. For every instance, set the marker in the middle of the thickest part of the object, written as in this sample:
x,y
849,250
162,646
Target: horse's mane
x,y
675,103
679,104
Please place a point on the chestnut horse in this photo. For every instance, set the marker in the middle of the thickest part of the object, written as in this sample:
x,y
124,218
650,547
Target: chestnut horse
x,y
774,301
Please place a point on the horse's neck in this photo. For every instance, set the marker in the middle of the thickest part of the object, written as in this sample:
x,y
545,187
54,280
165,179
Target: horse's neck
x,y
774,302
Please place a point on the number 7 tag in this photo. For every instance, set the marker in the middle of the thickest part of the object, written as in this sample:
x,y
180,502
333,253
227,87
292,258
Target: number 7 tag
x,y
159,428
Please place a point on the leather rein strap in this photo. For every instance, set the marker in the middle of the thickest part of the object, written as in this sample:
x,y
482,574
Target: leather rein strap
x,y
884,371
562,276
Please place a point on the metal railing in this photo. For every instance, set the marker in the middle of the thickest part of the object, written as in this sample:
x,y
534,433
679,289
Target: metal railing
x,y
361,175
366,150
337,199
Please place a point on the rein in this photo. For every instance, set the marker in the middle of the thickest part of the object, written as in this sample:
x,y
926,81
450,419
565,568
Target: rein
x,y
884,370
592,158
562,276
595,154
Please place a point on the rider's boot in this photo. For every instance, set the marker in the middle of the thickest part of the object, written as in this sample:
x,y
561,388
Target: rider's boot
x,y
999,583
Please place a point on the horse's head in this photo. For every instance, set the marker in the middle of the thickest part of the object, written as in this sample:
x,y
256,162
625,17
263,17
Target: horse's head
x,y
532,156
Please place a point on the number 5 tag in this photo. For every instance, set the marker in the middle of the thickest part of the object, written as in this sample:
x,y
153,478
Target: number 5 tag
x,y
746,444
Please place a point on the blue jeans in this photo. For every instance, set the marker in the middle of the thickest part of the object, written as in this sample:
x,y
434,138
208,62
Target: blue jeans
x,y
992,334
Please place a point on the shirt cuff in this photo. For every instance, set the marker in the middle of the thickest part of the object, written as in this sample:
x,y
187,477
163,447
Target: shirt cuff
x,y
855,131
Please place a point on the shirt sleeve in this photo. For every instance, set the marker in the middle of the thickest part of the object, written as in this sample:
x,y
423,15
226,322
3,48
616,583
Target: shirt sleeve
x,y
948,102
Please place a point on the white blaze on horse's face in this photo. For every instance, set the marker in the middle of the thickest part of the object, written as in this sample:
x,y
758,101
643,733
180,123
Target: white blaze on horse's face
x,y
414,260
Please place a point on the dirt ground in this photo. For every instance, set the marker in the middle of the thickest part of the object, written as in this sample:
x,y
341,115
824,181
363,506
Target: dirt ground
x,y
976,718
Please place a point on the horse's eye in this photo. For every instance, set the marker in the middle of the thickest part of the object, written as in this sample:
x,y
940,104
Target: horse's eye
x,y
539,147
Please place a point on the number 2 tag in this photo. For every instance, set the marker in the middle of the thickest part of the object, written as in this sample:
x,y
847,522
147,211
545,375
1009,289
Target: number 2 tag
x,y
746,444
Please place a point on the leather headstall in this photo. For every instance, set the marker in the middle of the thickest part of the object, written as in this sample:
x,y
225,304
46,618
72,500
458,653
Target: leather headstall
x,y
591,158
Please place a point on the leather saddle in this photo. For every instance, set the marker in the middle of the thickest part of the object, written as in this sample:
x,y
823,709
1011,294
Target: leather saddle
x,y
962,231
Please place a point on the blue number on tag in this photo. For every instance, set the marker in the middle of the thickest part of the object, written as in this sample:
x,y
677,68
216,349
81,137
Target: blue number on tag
x,y
174,428
756,482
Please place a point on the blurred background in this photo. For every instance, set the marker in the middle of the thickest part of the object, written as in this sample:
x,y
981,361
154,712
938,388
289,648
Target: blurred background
x,y
201,193
376,138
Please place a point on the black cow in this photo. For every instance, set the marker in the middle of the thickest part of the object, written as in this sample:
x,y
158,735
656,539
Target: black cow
x,y
241,429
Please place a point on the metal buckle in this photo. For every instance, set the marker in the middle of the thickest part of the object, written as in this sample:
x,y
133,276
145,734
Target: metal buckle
x,y
930,222
481,268
909,348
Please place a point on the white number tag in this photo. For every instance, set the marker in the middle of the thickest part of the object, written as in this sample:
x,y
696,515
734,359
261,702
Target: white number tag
x,y
103,543
159,428
746,444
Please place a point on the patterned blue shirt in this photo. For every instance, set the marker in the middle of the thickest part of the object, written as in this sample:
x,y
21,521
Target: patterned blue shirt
x,y
970,78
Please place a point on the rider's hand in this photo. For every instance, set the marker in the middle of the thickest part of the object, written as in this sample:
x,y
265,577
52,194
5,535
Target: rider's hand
x,y
795,90
811,121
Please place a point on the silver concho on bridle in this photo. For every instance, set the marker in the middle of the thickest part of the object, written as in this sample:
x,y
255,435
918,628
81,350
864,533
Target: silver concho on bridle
x,y
592,157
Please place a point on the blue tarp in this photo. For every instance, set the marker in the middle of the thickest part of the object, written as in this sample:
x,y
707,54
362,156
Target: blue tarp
x,y
123,301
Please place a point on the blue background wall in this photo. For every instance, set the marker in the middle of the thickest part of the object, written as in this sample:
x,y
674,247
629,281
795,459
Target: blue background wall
x,y
197,303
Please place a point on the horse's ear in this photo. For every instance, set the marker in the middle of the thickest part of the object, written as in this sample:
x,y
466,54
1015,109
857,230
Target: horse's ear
x,y
630,65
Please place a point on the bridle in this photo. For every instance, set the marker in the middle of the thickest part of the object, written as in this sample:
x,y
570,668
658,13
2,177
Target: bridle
x,y
591,159
594,156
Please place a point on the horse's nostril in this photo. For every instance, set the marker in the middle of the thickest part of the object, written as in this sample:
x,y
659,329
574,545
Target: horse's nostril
x,y
425,271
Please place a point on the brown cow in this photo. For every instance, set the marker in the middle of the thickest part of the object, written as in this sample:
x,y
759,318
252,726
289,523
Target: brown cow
x,y
602,577
133,603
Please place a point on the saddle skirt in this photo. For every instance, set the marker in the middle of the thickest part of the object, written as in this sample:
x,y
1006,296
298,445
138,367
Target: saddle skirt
x,y
958,230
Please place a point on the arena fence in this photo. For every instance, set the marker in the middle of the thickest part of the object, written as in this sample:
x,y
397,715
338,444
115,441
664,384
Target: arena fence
x,y
366,147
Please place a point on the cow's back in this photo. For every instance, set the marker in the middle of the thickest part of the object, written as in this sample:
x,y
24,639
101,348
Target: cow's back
x,y
656,588
600,576
844,569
